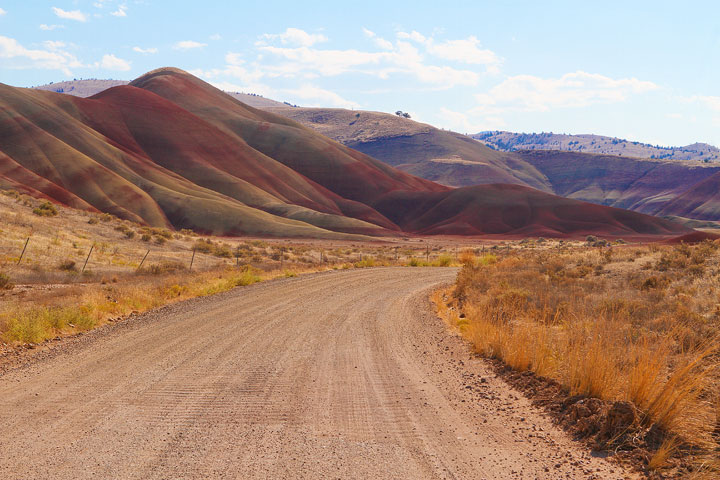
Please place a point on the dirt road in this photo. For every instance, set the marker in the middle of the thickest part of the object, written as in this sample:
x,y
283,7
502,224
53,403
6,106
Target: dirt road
x,y
335,375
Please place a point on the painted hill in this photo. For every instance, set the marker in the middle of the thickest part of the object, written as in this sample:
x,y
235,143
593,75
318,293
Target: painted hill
x,y
649,186
171,150
442,156
510,142
652,186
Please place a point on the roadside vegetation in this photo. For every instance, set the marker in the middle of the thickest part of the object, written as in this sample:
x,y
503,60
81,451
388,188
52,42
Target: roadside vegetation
x,y
64,271
629,334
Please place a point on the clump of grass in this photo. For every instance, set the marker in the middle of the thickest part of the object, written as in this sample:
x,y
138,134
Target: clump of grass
x,y
366,262
38,324
443,260
45,209
217,249
67,266
663,453
5,283
164,267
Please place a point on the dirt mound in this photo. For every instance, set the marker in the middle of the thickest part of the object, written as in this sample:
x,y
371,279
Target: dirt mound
x,y
693,237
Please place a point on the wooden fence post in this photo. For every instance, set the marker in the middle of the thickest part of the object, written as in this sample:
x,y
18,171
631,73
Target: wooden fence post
x,y
142,261
88,258
192,260
23,251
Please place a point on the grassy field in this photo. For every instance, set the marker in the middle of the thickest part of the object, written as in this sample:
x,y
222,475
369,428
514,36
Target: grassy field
x,y
80,270
635,327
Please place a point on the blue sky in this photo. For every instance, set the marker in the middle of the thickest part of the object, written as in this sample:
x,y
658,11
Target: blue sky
x,y
646,71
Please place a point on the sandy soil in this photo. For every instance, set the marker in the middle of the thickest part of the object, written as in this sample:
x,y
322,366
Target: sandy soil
x,y
335,375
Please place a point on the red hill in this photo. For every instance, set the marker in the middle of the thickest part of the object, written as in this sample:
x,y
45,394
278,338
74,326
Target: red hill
x,y
171,150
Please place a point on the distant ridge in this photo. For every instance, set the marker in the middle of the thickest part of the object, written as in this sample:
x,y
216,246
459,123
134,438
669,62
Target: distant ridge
x,y
510,142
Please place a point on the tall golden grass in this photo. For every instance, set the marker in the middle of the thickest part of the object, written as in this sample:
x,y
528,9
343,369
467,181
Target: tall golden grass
x,y
590,320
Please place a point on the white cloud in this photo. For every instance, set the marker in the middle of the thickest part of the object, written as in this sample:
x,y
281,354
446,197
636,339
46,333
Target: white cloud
x,y
145,50
379,41
464,123
572,90
111,62
401,57
120,12
415,36
53,58
710,102
50,27
257,89
54,45
466,50
295,36
70,15
215,36
404,59
316,96
2,12
188,45
235,69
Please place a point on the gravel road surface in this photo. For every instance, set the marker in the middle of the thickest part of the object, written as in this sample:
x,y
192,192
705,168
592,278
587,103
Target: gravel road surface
x,y
342,374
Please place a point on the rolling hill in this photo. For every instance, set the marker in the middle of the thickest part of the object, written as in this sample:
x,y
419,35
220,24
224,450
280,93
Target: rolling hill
x,y
171,150
652,186
421,149
510,142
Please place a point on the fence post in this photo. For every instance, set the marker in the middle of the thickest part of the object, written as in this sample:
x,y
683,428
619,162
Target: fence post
x,y
142,261
23,251
427,254
88,258
192,260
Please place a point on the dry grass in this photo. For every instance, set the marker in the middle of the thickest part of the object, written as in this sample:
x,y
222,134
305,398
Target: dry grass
x,y
52,292
638,324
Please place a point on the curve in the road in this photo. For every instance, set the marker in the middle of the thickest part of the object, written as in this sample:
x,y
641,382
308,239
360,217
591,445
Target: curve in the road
x,y
335,375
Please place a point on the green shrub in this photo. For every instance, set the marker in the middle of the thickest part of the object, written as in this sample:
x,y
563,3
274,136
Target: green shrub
x,y
46,209
204,246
